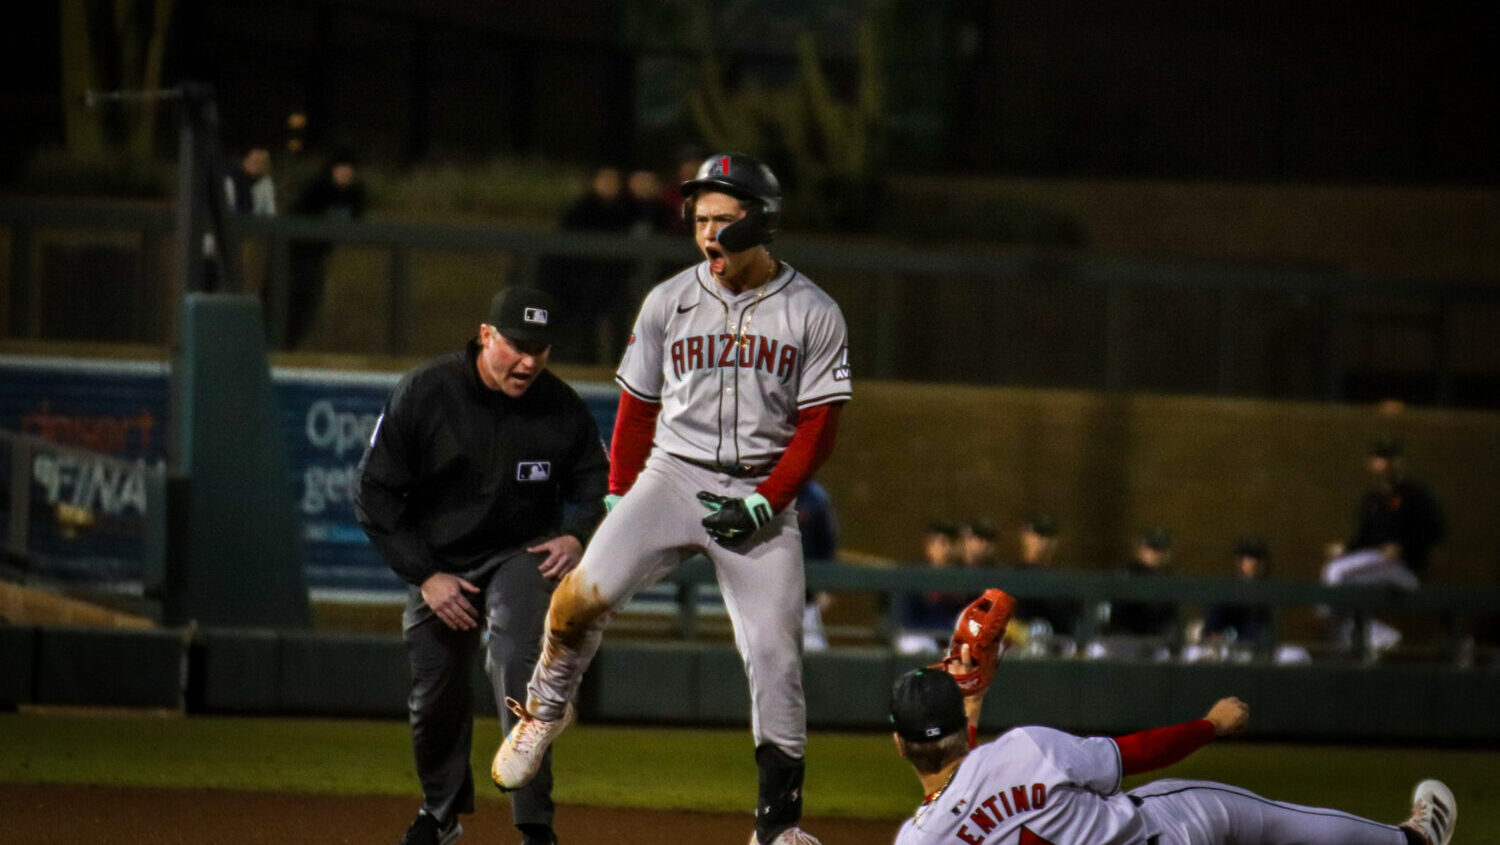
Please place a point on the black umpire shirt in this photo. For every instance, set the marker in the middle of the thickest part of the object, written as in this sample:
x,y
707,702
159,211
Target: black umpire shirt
x,y
457,472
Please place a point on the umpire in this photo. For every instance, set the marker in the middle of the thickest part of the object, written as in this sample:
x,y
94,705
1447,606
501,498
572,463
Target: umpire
x,y
482,481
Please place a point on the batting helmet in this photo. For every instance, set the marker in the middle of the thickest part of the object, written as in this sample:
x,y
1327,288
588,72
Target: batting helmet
x,y
747,180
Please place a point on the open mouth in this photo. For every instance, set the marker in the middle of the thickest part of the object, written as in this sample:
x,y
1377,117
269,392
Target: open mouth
x,y
716,258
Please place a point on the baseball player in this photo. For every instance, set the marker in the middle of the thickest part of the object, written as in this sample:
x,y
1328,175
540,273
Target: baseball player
x,y
732,384
1039,786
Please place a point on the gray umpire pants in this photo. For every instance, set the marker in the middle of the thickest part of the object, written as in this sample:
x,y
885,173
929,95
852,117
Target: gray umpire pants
x,y
441,703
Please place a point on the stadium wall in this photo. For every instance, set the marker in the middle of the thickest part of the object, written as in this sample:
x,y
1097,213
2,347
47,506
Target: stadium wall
x,y
262,672
1108,465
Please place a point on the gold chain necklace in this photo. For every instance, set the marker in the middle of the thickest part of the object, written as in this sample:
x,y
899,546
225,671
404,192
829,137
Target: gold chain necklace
x,y
744,340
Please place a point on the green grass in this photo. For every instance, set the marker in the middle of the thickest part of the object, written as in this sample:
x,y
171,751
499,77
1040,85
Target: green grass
x,y
854,775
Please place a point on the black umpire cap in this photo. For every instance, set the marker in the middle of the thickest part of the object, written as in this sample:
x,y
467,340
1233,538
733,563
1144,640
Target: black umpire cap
x,y
926,705
526,315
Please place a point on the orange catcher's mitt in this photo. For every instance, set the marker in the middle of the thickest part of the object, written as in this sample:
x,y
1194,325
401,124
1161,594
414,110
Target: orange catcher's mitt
x,y
981,627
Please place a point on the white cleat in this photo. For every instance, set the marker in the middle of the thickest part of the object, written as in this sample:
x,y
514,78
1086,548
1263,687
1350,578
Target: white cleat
x,y
1433,812
790,836
520,755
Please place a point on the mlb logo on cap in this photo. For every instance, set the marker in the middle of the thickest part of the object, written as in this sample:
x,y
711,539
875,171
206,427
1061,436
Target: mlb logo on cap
x,y
523,314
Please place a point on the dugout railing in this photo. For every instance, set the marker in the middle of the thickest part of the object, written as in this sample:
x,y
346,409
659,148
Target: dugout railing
x,y
1096,308
1455,610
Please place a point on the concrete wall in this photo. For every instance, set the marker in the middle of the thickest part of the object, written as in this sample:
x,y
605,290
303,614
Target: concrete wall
x,y
1106,466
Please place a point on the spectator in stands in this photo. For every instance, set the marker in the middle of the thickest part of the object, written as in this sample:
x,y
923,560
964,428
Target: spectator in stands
x,y
1244,623
1237,631
815,519
248,187
335,194
1050,623
1142,628
1038,541
1233,630
927,617
247,190
1397,525
594,290
649,212
977,543
649,215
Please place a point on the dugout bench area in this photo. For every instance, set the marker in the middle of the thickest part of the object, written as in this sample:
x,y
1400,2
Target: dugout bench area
x,y
1446,698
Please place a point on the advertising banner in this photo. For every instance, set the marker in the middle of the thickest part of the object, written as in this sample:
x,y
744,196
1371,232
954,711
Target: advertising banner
x,y
325,417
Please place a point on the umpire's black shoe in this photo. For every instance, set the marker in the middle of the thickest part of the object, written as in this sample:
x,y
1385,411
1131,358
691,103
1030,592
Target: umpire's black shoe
x,y
427,830
536,834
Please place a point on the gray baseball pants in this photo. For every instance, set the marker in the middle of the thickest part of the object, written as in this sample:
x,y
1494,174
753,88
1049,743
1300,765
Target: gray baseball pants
x,y
441,703
655,527
1200,812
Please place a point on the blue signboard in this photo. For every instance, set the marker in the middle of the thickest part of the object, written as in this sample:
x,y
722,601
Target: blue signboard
x,y
325,416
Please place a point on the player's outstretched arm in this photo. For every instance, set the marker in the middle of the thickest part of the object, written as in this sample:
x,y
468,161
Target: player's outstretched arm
x,y
1229,716
1161,747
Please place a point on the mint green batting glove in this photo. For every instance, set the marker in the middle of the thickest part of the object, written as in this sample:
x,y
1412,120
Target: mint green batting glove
x,y
732,520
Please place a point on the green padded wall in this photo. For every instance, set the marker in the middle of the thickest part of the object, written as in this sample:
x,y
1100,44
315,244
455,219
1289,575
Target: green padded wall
x,y
236,559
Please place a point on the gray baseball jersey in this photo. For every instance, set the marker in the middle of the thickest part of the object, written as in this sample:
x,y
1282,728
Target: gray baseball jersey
x,y
1039,786
731,371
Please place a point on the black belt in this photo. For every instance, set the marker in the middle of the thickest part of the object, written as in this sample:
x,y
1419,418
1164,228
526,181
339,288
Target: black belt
x,y
731,470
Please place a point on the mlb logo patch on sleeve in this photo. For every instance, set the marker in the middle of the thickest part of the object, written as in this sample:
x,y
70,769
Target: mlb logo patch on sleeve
x,y
533,470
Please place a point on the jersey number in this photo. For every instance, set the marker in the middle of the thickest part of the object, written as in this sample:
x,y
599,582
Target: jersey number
x,y
1029,838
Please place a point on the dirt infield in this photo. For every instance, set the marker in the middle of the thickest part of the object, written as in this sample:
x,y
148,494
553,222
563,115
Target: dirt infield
x,y
72,815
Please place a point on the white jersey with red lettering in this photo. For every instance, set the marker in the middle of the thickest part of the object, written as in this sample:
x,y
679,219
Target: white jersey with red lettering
x,y
732,370
1039,786
1031,785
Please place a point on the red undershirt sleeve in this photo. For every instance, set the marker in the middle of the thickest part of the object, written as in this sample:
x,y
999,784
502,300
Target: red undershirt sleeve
x,y
812,443
635,427
1161,747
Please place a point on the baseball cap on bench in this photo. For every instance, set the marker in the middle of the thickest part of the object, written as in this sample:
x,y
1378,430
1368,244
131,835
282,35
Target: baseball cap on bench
x,y
524,314
926,705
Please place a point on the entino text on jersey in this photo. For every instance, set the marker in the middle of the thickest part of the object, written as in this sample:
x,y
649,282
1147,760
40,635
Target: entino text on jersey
x,y
1001,805
715,351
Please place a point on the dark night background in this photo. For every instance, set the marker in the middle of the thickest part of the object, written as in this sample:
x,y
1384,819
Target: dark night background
x,y
1378,92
